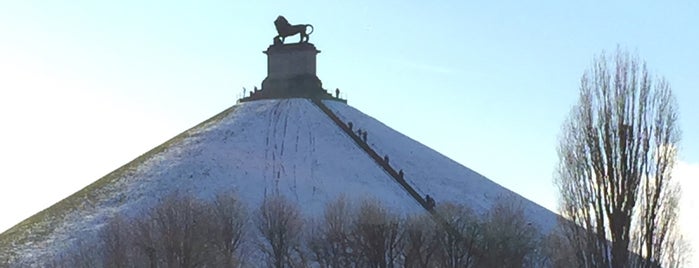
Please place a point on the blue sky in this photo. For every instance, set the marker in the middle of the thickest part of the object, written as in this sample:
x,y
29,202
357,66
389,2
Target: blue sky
x,y
87,86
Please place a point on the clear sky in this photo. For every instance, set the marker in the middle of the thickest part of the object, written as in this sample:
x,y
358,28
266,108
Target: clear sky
x,y
86,86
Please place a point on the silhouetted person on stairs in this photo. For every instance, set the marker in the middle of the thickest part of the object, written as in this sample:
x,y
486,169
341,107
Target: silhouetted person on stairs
x,y
429,202
337,93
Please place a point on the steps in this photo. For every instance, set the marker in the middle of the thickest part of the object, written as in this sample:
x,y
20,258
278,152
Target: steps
x,y
398,177
379,160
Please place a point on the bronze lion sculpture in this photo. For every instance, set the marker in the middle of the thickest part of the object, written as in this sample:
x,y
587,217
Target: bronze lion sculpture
x,y
285,29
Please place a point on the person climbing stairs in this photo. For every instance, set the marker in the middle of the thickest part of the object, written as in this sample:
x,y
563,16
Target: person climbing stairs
x,y
428,203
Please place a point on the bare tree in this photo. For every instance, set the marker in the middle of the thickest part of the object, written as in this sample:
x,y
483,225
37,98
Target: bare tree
x,y
616,153
226,226
80,255
180,231
330,237
458,249
508,240
376,236
667,244
179,225
556,251
110,248
281,227
117,240
421,241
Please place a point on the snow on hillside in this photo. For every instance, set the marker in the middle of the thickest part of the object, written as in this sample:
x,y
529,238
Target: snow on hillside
x,y
430,172
269,147
260,148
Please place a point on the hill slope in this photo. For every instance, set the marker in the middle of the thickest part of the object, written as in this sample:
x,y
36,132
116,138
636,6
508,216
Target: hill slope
x,y
258,148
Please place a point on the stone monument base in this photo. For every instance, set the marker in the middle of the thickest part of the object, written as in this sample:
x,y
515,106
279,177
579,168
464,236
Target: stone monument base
x,y
291,73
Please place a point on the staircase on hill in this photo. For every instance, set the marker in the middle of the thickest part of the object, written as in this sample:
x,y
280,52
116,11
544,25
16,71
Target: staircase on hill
x,y
384,163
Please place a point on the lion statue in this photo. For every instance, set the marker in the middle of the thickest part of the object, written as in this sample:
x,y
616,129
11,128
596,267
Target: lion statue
x,y
285,29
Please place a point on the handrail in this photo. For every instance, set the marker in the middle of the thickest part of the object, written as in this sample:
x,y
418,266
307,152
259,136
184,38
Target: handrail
x,y
392,172
380,161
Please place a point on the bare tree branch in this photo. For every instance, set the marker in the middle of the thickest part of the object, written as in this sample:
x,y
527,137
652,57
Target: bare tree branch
x,y
616,154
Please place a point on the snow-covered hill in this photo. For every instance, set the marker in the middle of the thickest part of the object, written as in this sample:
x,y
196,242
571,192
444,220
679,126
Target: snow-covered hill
x,y
258,148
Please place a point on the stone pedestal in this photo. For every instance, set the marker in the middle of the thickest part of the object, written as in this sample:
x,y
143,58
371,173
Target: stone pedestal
x,y
291,60
291,73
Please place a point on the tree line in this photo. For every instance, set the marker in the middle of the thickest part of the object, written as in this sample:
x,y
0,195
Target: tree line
x,y
183,231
